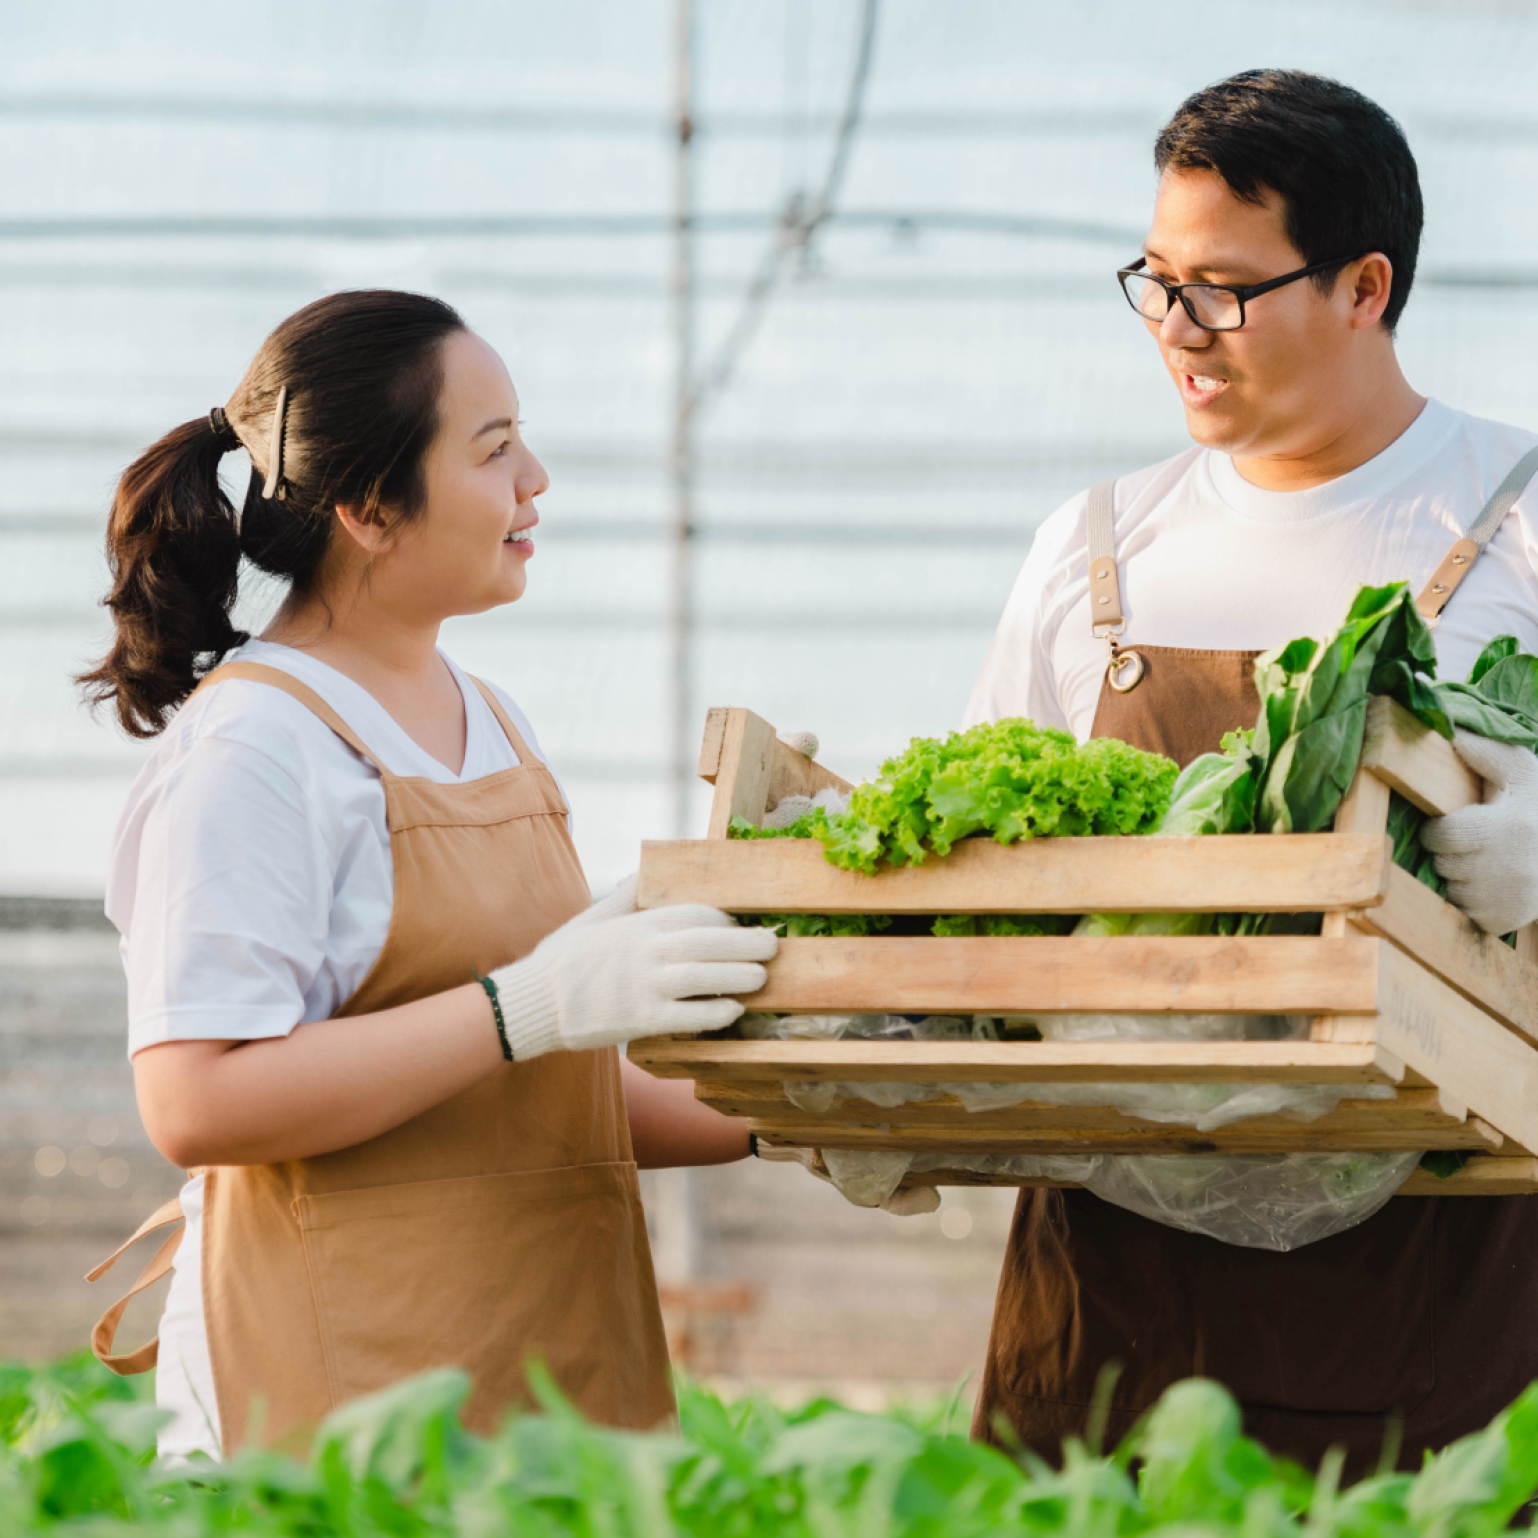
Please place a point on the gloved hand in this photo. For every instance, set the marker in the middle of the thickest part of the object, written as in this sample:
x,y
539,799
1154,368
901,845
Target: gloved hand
x,y
613,975
1488,854
905,1202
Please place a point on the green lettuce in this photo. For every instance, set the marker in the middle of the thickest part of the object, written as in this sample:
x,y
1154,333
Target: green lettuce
x,y
1008,779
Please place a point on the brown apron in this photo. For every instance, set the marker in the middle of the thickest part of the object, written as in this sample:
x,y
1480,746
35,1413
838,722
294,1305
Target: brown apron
x,y
502,1226
1424,1314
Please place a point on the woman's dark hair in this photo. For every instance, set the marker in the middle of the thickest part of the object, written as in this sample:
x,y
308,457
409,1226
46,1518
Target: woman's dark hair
x,y
360,375
1340,163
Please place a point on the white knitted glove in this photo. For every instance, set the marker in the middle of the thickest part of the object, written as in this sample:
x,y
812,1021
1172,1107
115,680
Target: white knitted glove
x,y
612,975
1488,854
911,1202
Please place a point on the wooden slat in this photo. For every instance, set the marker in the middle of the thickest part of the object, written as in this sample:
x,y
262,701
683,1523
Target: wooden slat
x,y
1229,873
1482,1176
1364,807
1363,810
972,1178
1415,761
711,743
1149,1139
753,770
1282,974
1415,1119
939,1062
1439,1033
794,774
743,770
1440,937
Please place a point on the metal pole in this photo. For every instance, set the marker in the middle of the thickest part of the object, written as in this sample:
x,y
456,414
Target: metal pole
x,y
674,1216
681,597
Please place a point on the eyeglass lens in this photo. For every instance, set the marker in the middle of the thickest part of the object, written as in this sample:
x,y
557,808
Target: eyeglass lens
x,y
1215,307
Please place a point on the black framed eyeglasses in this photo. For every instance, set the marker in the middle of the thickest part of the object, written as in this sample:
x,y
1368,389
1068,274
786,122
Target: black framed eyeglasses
x,y
1213,306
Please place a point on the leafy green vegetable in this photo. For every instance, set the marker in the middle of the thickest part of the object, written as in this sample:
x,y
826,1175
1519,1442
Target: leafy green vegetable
x,y
1314,705
1498,650
1216,792
1003,925
75,1462
1405,821
807,825
1010,779
802,924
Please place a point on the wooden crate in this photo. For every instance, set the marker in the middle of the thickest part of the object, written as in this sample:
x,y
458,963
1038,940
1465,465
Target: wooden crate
x,y
1403,989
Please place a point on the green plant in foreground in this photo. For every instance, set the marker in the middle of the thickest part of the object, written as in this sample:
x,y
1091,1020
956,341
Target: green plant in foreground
x,y
75,1461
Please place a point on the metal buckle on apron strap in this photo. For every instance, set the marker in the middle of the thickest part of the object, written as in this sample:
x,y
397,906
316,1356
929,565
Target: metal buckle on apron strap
x,y
1123,669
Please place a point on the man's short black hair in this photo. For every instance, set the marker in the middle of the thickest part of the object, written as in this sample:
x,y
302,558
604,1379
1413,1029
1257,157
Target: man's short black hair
x,y
1340,163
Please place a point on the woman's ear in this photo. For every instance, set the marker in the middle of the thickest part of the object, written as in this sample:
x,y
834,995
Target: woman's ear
x,y
368,531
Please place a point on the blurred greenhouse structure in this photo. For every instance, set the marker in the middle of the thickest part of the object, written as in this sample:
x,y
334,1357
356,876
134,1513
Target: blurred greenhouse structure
x,y
934,367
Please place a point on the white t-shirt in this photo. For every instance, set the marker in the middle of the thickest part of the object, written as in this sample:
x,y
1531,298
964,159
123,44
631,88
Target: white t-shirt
x,y
251,882
1208,560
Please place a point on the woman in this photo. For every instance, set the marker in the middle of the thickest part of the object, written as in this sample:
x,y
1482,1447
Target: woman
x,y
340,831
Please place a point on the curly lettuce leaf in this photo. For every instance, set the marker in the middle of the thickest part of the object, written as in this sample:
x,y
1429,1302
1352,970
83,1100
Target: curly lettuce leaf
x,y
1008,779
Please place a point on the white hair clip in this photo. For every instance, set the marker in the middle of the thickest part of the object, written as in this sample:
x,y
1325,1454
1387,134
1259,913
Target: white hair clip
x,y
273,486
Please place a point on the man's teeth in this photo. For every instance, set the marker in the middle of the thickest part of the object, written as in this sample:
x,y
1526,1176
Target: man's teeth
x,y
1204,382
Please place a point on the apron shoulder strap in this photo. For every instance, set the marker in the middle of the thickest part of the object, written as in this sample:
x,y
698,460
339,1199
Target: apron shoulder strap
x,y
525,754
261,673
1459,561
104,1336
1105,614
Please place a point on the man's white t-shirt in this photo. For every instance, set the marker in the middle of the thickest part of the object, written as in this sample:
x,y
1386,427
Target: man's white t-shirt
x,y
1209,561
251,882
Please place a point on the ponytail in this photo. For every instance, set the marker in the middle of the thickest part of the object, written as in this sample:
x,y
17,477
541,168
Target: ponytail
x,y
338,408
174,555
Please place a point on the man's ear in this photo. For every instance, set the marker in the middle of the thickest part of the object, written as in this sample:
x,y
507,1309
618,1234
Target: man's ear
x,y
369,532
1368,282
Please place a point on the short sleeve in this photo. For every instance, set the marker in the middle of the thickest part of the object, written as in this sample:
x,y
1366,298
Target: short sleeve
x,y
231,898
1018,678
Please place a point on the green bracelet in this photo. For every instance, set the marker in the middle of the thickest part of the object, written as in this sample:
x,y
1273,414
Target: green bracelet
x,y
496,1010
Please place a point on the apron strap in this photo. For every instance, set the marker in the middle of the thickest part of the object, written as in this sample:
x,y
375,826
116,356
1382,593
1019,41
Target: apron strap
x,y
1105,616
104,1336
1459,561
261,673
505,721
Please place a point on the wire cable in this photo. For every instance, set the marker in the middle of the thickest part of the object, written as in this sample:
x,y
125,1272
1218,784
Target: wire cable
x,y
799,224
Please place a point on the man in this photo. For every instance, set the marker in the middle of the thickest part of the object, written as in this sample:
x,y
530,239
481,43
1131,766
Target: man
x,y
1283,245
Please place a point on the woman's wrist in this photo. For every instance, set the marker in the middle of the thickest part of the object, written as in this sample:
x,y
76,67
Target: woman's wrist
x,y
530,1021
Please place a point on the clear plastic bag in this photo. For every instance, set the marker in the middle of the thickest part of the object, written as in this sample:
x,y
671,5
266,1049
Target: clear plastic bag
x,y
1204,1107
1262,1201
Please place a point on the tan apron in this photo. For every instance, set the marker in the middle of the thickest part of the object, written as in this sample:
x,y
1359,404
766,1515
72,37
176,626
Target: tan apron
x,y
1424,1312
501,1226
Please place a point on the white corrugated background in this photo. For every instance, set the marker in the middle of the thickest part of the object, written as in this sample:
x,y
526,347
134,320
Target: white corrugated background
x,y
913,406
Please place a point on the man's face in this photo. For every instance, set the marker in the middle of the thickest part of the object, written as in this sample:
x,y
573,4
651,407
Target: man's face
x,y
1273,387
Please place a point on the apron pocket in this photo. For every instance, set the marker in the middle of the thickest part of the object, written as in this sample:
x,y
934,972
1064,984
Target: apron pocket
x,y
487,1272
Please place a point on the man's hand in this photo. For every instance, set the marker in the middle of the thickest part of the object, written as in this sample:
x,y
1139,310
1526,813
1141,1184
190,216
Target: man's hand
x,y
1488,854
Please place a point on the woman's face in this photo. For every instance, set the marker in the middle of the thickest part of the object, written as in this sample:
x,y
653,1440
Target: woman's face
x,y
467,550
